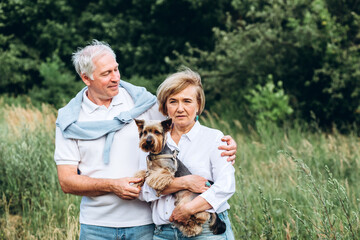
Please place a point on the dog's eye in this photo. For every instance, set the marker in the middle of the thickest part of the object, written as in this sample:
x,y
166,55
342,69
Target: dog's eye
x,y
157,132
145,132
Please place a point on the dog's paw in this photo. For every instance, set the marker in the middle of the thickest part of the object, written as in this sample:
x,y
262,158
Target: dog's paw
x,y
140,174
159,180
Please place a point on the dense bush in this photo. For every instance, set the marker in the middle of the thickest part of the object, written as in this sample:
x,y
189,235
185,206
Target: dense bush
x,y
269,103
141,33
312,46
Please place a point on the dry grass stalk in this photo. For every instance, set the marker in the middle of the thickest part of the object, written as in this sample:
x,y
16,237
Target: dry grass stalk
x,y
18,118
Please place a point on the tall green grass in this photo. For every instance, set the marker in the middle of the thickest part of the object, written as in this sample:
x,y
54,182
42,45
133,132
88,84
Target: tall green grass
x,y
291,183
32,205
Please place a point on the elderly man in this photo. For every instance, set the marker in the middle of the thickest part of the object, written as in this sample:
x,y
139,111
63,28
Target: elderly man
x,y
97,150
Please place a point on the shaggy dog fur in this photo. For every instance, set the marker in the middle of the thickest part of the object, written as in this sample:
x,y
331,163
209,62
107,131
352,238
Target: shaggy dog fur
x,y
162,167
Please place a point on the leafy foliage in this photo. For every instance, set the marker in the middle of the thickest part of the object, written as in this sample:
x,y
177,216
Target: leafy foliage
x,y
141,33
269,104
311,46
58,85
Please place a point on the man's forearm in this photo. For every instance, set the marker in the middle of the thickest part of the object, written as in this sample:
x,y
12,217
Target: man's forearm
x,y
73,183
85,186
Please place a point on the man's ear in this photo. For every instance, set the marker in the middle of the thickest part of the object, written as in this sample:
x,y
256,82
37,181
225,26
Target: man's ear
x,y
85,79
166,124
140,124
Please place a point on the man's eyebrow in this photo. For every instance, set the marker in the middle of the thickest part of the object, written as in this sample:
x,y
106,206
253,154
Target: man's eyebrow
x,y
109,70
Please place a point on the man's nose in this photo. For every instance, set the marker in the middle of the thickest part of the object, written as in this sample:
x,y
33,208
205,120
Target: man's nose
x,y
115,76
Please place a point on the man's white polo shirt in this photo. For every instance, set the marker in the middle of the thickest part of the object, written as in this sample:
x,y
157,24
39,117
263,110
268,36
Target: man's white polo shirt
x,y
108,210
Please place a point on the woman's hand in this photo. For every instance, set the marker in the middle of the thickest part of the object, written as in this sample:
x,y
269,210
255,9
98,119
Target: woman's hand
x,y
195,183
230,148
181,214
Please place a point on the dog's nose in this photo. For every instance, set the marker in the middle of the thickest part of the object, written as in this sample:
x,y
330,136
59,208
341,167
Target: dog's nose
x,y
148,140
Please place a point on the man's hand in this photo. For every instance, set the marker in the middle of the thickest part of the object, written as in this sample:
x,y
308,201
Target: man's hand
x,y
230,148
123,189
73,183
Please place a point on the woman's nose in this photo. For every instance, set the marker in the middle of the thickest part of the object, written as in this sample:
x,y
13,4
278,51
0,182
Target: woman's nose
x,y
180,107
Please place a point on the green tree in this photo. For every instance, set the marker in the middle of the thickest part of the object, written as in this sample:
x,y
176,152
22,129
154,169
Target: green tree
x,y
308,44
30,32
142,33
58,86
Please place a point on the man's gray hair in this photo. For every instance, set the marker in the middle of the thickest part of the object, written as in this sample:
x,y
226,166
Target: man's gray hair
x,y
83,57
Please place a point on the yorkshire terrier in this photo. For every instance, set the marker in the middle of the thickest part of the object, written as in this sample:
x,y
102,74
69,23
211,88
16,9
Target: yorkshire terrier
x,y
162,167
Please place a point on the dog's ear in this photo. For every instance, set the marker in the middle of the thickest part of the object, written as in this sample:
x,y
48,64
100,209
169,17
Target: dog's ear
x,y
140,124
166,124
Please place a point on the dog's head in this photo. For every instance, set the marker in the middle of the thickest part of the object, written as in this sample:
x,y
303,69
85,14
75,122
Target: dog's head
x,y
152,134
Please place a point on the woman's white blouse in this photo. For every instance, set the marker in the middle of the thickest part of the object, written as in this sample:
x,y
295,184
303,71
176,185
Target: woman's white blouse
x,y
198,150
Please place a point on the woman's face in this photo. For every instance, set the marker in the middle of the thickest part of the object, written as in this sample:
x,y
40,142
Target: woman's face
x,y
182,107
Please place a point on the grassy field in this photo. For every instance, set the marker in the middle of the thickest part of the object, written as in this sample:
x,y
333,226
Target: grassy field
x,y
291,183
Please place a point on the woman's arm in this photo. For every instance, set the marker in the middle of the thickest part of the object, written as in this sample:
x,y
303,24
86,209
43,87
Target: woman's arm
x,y
196,183
183,212
193,183
222,189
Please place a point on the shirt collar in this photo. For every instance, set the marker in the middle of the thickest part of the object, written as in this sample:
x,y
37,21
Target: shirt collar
x,y
91,107
193,131
190,135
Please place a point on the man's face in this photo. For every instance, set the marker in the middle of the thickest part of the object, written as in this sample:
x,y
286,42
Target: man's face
x,y
106,80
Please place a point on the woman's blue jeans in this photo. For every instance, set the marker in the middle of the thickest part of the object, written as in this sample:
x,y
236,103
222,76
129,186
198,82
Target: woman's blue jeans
x,y
169,231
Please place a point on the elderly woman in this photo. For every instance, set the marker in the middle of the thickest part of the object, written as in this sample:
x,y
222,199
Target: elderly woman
x,y
181,97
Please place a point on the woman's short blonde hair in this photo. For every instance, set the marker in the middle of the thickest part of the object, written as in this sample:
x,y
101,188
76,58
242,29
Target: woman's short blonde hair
x,y
177,82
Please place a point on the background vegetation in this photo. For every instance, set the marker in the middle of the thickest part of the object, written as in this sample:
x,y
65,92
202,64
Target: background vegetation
x,y
291,183
282,77
310,46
